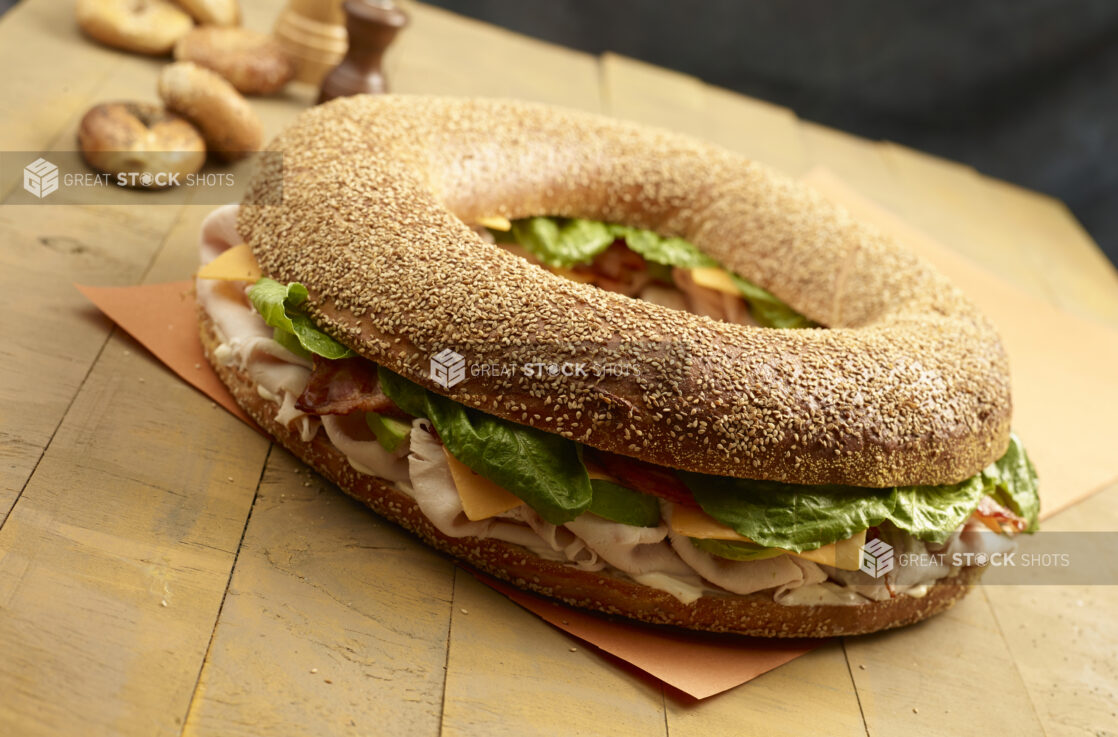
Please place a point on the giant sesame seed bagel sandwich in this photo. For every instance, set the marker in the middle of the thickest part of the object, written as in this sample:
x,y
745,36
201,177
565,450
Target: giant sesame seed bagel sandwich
x,y
617,366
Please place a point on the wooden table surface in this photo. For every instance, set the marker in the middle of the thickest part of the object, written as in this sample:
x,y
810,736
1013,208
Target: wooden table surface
x,y
165,571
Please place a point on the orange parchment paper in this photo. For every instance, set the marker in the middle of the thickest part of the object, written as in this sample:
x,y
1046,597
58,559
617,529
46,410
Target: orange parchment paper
x,y
1065,402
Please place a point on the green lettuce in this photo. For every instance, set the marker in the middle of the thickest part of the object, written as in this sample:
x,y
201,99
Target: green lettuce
x,y
767,309
1014,481
622,504
279,305
543,469
567,242
799,517
563,242
666,251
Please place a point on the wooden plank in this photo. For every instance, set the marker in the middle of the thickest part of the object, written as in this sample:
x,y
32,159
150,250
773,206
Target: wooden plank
x,y
638,91
1063,638
1078,275
114,562
950,202
446,54
50,338
317,629
754,128
509,673
856,160
950,675
52,247
59,73
809,696
143,494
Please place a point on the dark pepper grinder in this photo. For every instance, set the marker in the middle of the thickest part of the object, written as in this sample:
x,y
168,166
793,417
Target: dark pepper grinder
x,y
371,25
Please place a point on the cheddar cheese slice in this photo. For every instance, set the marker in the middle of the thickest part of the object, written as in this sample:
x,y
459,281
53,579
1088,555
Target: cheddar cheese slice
x,y
715,278
481,498
235,264
495,222
694,522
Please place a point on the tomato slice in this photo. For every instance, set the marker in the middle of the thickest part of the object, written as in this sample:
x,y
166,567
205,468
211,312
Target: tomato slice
x,y
642,476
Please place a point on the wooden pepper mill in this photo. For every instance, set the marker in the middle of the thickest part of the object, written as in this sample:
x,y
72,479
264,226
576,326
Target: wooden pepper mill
x,y
372,25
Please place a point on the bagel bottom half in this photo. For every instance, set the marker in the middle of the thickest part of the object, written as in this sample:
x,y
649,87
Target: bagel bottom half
x,y
753,614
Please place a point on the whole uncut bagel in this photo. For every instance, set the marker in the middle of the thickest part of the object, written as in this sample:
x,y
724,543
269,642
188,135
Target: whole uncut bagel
x,y
253,62
143,26
141,138
908,385
226,120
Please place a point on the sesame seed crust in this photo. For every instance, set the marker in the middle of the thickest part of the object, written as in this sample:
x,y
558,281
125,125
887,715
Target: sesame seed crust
x,y
908,385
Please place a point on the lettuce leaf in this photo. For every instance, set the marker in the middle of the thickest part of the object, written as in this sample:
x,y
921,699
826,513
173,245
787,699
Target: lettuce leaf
x,y
566,242
622,504
767,309
543,469
666,251
798,517
279,305
562,242
1014,481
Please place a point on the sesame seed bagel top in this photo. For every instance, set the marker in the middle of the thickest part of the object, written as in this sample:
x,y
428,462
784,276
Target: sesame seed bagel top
x,y
908,385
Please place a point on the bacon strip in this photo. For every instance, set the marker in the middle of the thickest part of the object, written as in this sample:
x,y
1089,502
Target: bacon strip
x,y
344,386
642,476
997,517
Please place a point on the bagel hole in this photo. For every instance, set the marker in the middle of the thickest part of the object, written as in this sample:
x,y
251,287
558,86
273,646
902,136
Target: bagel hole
x,y
621,270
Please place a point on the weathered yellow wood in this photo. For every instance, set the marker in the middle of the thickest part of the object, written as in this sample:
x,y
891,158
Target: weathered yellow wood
x,y
444,55
857,161
933,186
335,621
1077,275
51,72
509,673
809,696
638,91
54,246
914,657
951,675
114,561
448,54
757,129
1062,637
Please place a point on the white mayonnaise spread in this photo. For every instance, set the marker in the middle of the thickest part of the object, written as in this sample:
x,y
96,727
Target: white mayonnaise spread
x,y
652,556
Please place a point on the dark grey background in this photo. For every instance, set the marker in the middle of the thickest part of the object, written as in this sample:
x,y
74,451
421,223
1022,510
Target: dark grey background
x,y
1024,90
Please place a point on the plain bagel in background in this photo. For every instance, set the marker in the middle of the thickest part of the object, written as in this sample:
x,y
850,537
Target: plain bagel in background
x,y
141,26
140,138
228,123
253,62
